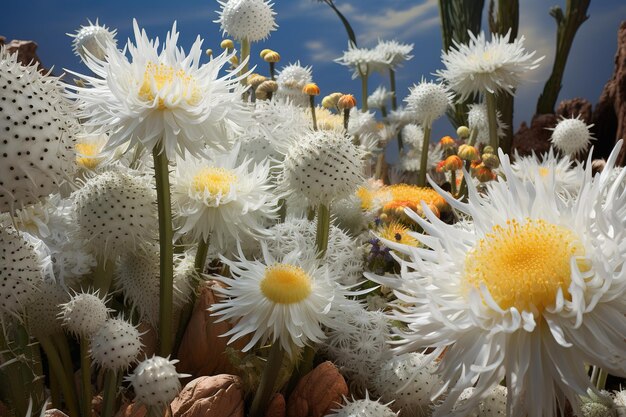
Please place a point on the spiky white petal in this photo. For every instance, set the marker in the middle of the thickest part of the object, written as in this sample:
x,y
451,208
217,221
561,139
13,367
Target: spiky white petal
x,y
568,175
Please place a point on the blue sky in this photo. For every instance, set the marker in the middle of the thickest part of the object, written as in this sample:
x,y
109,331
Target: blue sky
x,y
310,32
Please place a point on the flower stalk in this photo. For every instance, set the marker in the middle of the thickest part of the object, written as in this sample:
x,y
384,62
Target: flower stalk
x,y
492,117
421,179
268,380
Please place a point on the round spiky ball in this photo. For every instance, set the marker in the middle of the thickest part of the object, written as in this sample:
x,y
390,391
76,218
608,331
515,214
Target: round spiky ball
x,y
363,408
36,134
92,39
116,213
20,269
428,101
291,79
137,276
43,310
116,345
247,19
493,405
84,314
407,381
571,136
156,381
322,166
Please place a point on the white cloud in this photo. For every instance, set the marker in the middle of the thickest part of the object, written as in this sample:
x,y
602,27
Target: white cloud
x,y
319,52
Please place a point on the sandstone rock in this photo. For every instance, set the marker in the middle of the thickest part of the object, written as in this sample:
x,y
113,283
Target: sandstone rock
x,y
26,52
132,410
575,107
53,412
609,115
149,339
277,406
202,348
318,392
536,137
210,396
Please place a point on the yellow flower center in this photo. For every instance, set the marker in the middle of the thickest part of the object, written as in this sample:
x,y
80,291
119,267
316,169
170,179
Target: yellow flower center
x,y
87,155
161,79
214,180
397,232
524,264
285,284
543,171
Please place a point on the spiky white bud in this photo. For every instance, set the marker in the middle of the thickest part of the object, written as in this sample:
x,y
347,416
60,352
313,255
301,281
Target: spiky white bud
x,y
291,79
84,314
363,408
492,405
156,381
322,166
428,101
252,20
36,134
116,345
116,213
92,39
571,136
43,310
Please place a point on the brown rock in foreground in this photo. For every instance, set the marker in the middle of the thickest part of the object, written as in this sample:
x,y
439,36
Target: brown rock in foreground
x,y
277,406
536,137
26,51
210,396
318,392
132,410
53,412
575,107
609,115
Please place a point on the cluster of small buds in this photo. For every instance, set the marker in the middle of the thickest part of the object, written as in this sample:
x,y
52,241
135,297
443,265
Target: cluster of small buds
x,y
468,153
330,101
451,163
483,169
266,89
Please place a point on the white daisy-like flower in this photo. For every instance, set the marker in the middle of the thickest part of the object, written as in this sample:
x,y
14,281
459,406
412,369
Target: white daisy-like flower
x,y
428,101
379,98
92,39
571,136
481,66
284,301
396,53
164,98
521,293
478,120
568,175
252,20
218,199
363,61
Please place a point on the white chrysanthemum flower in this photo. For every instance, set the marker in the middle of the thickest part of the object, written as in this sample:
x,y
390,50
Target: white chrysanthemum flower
x,y
137,276
598,405
350,215
363,408
116,213
116,344
155,381
395,53
619,398
361,123
486,67
357,342
284,301
251,20
90,154
218,199
406,381
344,256
571,136
413,136
37,133
322,166
92,39
363,61
43,311
520,291
568,175
379,98
84,314
291,79
428,101
400,117
164,99
23,264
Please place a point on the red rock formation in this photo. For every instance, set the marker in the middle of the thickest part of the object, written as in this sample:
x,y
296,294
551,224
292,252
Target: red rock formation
x,y
26,51
575,107
609,115
536,137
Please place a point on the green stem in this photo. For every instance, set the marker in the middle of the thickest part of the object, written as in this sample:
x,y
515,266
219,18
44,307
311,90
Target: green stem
x,y
109,394
272,71
103,277
493,120
166,235
323,230
421,179
463,188
602,376
346,119
312,104
201,253
268,380
282,211
364,76
392,86
310,213
245,53
453,182
85,373
66,381
55,388
473,136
